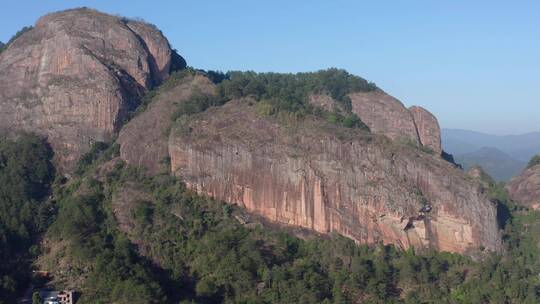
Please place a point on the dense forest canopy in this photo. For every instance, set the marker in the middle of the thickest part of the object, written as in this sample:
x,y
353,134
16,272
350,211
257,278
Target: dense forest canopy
x,y
278,93
26,173
290,91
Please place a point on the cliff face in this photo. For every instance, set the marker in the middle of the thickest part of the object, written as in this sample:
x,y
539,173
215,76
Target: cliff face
x,y
143,140
384,114
332,179
525,188
75,76
428,128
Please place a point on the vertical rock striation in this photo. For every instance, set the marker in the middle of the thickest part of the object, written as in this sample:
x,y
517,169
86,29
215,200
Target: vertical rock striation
x,y
332,179
428,128
75,76
384,114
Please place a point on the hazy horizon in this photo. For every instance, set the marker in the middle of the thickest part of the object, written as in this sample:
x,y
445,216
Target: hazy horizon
x,y
474,65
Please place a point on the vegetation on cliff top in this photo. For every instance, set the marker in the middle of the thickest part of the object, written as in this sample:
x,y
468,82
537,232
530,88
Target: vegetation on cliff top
x,y
17,35
535,160
277,93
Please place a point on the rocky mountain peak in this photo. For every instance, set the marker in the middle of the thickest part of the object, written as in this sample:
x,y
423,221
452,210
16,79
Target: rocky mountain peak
x,y
386,115
75,76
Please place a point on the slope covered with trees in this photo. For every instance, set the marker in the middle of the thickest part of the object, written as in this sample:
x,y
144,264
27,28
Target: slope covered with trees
x,y
278,93
26,173
184,247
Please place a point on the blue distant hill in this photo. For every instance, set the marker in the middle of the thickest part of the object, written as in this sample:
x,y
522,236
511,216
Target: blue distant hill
x,y
500,156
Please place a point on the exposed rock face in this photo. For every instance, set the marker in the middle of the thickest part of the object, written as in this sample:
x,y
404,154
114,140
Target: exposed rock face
x,y
428,128
144,140
75,76
525,188
386,115
325,102
157,46
360,186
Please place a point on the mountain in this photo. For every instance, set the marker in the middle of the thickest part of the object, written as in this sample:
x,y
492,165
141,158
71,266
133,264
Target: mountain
x,y
174,185
496,163
501,156
520,147
76,75
312,170
327,151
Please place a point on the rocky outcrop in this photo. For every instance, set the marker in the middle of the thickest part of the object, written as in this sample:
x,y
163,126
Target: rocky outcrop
x,y
157,46
478,173
325,102
384,114
525,188
75,76
428,128
144,140
332,179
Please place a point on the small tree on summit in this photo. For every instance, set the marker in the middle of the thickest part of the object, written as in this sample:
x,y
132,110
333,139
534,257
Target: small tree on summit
x,y
535,160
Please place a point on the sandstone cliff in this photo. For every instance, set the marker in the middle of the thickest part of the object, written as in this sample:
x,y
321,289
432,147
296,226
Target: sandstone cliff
x,y
332,179
143,140
525,188
428,129
76,75
384,114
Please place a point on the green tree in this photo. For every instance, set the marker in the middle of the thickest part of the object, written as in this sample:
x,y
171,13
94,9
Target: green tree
x,y
36,299
535,160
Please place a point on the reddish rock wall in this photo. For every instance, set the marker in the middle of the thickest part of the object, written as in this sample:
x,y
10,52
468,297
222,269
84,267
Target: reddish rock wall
x,y
75,76
384,114
362,187
428,128
144,140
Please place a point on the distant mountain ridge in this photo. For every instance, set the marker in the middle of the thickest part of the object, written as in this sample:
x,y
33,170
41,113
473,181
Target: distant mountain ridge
x,y
495,162
501,156
521,147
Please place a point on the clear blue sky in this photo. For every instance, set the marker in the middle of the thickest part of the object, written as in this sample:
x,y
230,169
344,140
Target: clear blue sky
x,y
474,64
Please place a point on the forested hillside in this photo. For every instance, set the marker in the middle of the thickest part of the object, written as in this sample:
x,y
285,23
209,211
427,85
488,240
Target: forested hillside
x,y
183,247
25,177
339,168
